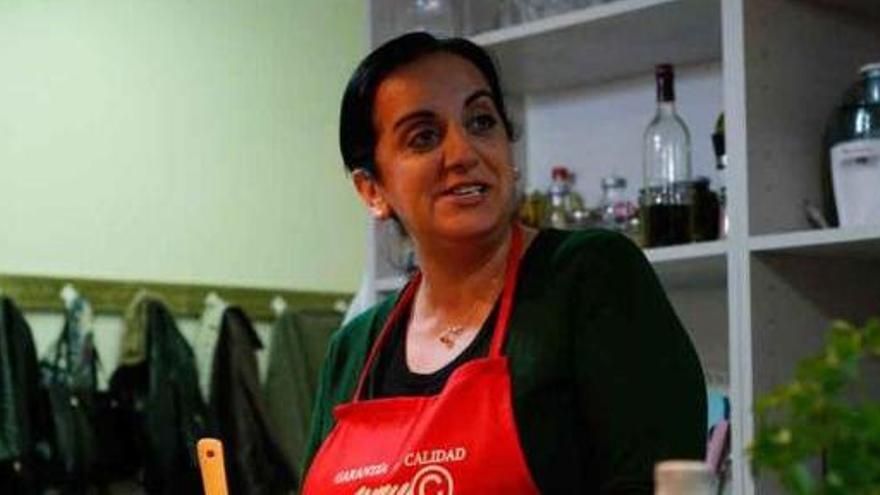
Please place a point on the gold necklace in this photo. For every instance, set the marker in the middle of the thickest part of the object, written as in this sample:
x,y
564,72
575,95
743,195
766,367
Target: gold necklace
x,y
450,335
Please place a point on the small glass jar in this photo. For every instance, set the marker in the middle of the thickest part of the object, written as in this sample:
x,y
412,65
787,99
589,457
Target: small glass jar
x,y
559,196
680,477
434,16
533,209
614,207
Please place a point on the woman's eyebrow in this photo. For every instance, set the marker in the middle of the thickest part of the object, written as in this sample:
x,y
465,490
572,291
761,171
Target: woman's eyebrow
x,y
418,114
478,94
425,114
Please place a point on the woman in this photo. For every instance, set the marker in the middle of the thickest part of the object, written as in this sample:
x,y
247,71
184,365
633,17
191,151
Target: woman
x,y
515,361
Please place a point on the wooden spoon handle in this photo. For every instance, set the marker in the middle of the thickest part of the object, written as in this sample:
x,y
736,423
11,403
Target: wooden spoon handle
x,y
211,464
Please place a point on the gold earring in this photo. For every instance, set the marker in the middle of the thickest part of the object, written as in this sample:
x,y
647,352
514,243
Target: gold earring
x,y
380,212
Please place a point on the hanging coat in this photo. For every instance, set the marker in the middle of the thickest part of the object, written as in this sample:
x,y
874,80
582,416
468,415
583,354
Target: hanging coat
x,y
254,462
70,378
161,396
299,342
24,420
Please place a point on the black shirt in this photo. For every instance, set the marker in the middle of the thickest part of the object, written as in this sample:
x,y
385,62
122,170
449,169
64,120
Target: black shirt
x,y
393,378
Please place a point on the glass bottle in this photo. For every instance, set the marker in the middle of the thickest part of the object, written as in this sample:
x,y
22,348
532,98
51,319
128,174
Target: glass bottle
x,y
434,16
665,200
853,141
477,16
614,207
509,13
579,216
555,7
559,196
533,209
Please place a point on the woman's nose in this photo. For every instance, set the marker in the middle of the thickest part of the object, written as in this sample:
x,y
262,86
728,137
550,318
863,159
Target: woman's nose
x,y
458,150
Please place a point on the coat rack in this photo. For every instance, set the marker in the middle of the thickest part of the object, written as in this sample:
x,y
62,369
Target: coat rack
x,y
37,293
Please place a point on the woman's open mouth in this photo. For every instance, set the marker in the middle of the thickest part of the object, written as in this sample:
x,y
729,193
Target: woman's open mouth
x,y
466,194
468,190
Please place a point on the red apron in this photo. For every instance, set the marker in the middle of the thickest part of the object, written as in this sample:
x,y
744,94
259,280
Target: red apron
x,y
461,441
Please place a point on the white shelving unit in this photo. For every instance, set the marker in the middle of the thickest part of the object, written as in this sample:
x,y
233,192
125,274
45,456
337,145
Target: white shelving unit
x,y
692,266
572,49
686,252
853,242
580,85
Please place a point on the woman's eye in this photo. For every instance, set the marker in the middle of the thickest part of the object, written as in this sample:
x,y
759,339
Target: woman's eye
x,y
482,123
423,139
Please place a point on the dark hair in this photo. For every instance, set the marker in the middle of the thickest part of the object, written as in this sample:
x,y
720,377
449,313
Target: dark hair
x,y
357,136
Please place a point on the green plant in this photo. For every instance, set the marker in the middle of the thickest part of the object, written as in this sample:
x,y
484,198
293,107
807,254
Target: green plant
x,y
825,414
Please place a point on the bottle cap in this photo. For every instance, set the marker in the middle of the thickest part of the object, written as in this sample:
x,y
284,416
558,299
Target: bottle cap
x,y
665,75
873,67
560,172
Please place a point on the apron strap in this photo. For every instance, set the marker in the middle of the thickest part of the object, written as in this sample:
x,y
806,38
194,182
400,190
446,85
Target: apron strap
x,y
403,302
409,292
510,279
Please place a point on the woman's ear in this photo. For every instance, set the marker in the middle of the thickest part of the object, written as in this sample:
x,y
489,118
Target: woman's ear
x,y
371,194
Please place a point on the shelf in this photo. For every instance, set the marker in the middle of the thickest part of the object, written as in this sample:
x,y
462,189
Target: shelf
x,y
691,266
700,264
860,8
584,46
686,252
852,242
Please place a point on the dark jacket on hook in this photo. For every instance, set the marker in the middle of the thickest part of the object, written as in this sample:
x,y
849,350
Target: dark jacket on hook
x,y
70,377
23,412
299,343
166,412
254,462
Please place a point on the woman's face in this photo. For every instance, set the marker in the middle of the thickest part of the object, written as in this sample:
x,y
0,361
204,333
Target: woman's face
x,y
442,154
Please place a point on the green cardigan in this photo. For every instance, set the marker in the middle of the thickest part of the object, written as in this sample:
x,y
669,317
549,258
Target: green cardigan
x,y
605,379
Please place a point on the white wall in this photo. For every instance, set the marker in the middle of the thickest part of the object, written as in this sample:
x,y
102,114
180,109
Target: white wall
x,y
174,140
597,130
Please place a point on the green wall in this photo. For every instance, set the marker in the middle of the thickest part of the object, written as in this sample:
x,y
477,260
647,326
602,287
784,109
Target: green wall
x,y
178,140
